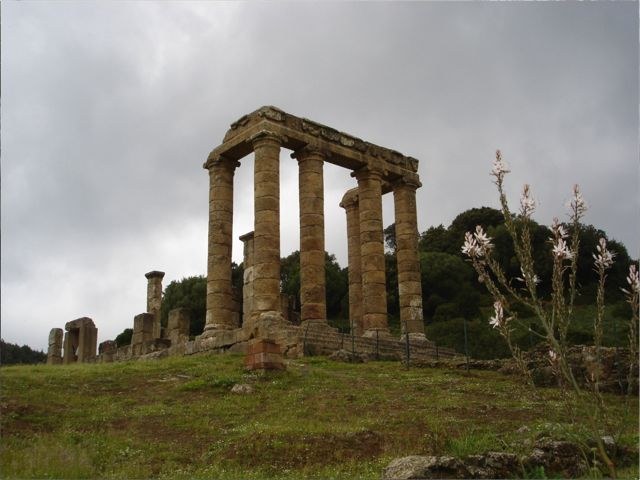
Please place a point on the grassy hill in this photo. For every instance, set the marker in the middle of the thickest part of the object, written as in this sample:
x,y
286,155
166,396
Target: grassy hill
x,y
177,418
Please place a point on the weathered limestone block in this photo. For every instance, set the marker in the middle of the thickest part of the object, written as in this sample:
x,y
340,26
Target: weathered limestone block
x,y
80,341
374,292
312,265
266,283
107,351
408,260
154,298
264,354
143,331
350,204
178,326
220,305
54,352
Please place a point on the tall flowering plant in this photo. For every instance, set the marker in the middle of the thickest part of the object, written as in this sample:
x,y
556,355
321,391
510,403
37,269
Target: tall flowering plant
x,y
556,318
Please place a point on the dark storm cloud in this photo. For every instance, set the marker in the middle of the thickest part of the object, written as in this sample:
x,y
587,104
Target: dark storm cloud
x,y
109,110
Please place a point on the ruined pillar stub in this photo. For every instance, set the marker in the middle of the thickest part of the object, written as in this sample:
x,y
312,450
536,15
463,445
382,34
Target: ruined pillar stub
x,y
313,302
247,280
178,325
219,313
266,274
143,331
408,260
154,298
374,292
80,341
54,352
350,204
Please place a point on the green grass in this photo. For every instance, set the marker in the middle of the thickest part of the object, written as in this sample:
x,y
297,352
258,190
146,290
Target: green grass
x,y
177,418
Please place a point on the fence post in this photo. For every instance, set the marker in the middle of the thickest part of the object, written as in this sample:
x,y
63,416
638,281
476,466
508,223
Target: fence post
x,y
377,346
304,341
466,347
408,346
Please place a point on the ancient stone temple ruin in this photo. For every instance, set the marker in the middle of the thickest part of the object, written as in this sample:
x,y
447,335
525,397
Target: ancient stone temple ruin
x,y
267,327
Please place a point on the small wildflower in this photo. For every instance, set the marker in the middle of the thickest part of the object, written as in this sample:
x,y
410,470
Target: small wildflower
x,y
604,258
561,250
499,167
553,356
527,202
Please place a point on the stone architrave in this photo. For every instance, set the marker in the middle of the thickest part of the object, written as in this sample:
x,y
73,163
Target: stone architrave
x,y
266,232
154,299
247,280
219,313
54,352
350,204
80,341
313,298
374,291
408,260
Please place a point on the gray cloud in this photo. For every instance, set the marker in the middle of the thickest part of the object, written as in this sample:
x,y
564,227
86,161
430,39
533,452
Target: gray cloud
x,y
109,110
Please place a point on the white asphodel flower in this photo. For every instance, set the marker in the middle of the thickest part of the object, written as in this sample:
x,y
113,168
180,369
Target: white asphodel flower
x,y
561,250
577,204
527,202
482,238
470,246
557,229
535,279
553,356
633,279
498,319
499,167
476,245
604,257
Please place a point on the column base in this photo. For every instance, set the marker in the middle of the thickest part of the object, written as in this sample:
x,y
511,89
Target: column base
x,y
377,332
415,338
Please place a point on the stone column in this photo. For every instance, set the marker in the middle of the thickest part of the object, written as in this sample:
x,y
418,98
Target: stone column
x,y
154,298
313,297
409,281
374,292
54,352
247,280
266,268
350,204
219,314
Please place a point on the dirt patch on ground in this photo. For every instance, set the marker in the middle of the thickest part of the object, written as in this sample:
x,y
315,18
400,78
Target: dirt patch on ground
x,y
299,451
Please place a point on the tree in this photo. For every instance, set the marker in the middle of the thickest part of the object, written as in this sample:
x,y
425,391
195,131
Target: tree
x,y
190,293
11,354
124,338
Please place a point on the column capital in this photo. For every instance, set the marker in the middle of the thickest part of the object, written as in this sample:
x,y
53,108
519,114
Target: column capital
x,y
154,274
367,172
406,182
266,136
350,199
309,151
220,161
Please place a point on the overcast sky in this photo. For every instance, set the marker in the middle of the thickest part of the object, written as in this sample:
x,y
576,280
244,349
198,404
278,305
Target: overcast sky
x,y
109,110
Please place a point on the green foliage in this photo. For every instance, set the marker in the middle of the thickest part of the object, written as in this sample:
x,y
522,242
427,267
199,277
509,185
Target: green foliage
x,y
447,279
12,354
124,338
190,293
336,278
